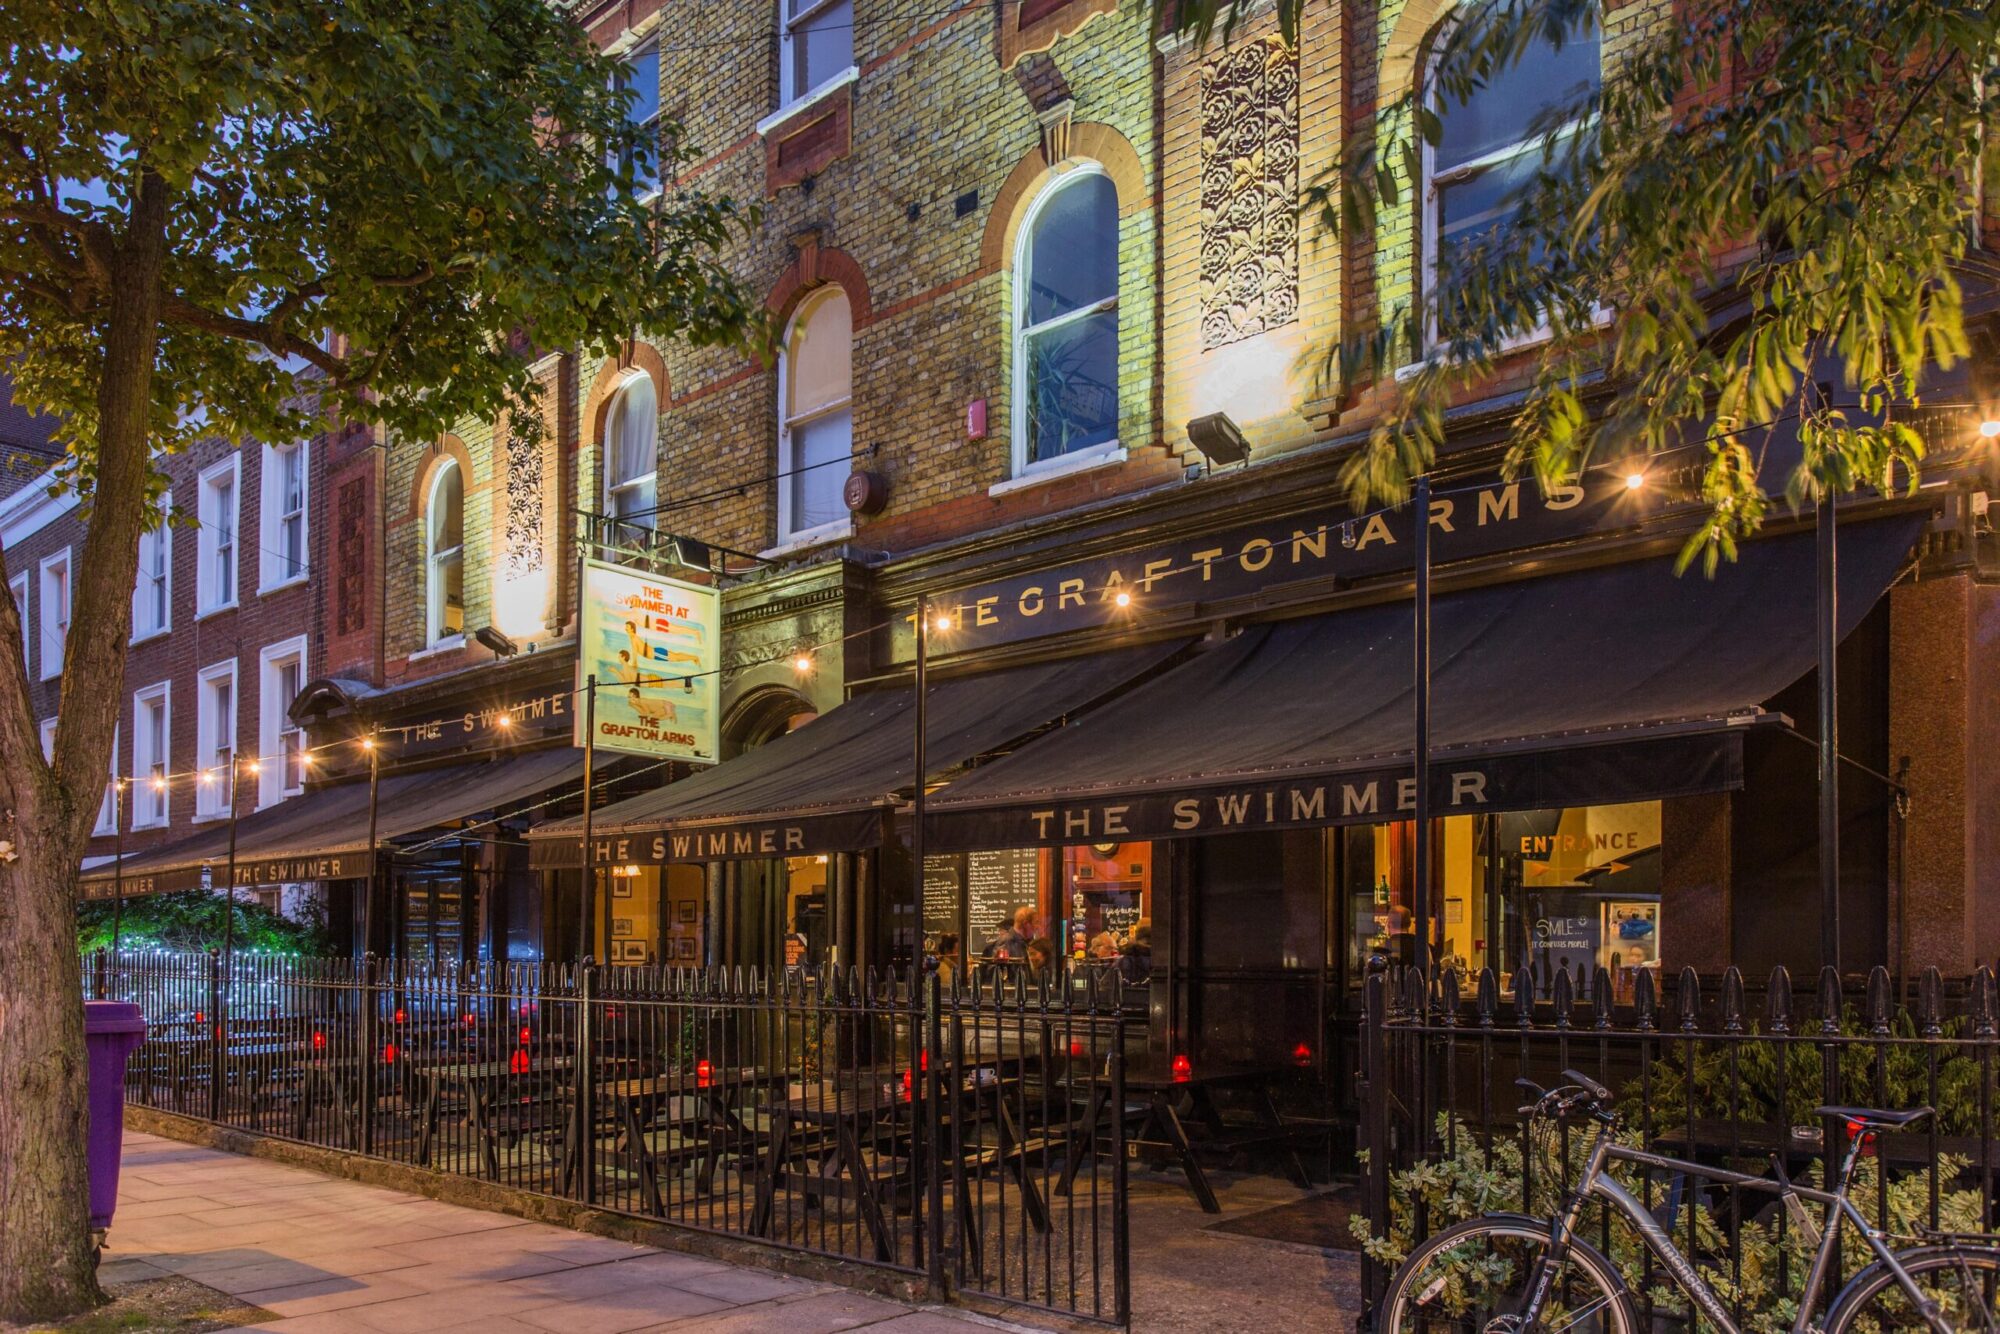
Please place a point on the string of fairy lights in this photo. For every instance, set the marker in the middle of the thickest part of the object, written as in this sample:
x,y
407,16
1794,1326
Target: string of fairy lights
x,y
1635,477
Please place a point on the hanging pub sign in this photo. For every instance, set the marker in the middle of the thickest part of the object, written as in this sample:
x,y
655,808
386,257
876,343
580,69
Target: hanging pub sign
x,y
1324,543
652,644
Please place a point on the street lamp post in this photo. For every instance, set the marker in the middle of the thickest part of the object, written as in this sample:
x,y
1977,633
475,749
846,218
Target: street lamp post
x,y
589,863
229,884
117,860
1828,563
1420,897
921,757
372,743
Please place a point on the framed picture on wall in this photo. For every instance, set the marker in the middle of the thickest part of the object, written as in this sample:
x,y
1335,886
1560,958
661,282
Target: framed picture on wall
x,y
684,950
624,926
631,951
621,888
686,911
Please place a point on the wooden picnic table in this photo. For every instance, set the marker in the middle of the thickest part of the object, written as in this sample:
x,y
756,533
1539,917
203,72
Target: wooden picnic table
x,y
482,1083
1155,1100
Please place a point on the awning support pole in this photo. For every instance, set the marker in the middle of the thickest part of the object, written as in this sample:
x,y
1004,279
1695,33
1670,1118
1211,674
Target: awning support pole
x,y
1420,894
372,887
917,794
117,860
589,861
1829,732
229,886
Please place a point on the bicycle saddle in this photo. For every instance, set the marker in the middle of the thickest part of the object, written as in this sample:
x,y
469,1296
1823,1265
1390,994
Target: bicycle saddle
x,y
1875,1117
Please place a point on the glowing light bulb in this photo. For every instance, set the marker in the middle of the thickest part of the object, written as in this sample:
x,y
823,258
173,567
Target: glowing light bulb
x,y
1990,429
942,623
368,743
1123,599
1634,480
802,664
159,785
252,766
207,777
504,720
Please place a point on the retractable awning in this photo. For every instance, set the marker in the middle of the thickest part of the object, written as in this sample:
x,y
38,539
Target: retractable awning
x,y
829,786
1621,683
323,834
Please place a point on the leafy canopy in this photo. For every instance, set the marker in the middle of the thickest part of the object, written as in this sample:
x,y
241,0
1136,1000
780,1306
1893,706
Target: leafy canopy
x,y
432,181
1763,215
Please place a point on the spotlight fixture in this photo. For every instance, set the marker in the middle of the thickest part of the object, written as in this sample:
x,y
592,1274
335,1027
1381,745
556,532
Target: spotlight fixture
x,y
693,554
501,644
1219,439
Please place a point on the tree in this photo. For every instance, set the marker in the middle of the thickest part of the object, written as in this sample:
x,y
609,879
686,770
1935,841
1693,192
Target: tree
x,y
1763,215
214,216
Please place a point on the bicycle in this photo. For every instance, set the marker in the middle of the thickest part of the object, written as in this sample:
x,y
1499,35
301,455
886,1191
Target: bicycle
x,y
1506,1273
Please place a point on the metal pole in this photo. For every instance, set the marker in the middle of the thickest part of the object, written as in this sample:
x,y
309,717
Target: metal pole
x,y
117,860
1420,895
1829,733
922,759
374,744
589,777
229,884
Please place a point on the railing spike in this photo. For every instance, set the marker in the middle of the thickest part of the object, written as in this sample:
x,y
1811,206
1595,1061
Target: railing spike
x,y
1489,996
1600,997
1930,1002
1564,996
1829,1000
1733,1002
1878,1001
1778,1000
1982,1004
1645,1002
1687,1000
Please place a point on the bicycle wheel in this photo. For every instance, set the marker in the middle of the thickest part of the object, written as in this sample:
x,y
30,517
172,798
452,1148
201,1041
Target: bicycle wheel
x,y
1474,1278
1963,1281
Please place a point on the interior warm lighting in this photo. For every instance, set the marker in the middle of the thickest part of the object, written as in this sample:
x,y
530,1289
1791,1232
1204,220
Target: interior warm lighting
x,y
1990,428
1123,599
631,869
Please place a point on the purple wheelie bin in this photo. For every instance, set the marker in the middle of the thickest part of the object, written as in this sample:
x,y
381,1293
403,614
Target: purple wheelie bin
x,y
112,1030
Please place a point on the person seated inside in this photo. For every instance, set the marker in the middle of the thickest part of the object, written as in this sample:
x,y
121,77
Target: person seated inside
x,y
1135,960
1041,957
1013,942
1104,946
950,965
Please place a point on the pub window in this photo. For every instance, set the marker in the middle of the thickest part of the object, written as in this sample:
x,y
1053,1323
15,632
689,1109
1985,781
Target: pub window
x,y
444,557
1066,322
816,432
1571,889
1490,145
631,453
816,46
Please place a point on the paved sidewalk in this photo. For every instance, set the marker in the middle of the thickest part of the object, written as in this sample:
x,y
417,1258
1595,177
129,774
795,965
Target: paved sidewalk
x,y
330,1255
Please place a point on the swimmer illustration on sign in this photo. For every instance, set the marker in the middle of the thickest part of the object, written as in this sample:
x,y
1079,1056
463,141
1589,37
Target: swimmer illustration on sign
x,y
652,710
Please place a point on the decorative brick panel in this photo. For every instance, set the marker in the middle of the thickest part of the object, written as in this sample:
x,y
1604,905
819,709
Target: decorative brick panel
x,y
351,557
809,142
1028,27
525,496
1249,185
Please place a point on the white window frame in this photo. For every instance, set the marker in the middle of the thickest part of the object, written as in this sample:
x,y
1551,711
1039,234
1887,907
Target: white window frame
x,y
612,421
273,723
435,636
107,809
158,540
1434,185
208,598
271,574
18,586
54,637
790,97
145,764
48,741
1080,459
651,123
789,536
214,777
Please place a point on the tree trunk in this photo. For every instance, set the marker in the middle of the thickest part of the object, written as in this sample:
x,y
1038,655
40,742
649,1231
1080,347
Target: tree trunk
x,y
46,1264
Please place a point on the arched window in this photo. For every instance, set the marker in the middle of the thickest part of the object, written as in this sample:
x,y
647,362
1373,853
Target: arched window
x,y
816,415
631,452
1491,144
1066,321
444,555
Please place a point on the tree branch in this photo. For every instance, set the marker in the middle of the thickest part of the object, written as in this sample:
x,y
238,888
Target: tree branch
x,y
179,310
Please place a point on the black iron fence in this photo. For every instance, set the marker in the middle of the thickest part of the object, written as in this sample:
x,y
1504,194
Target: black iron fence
x,y
874,1117
1706,1072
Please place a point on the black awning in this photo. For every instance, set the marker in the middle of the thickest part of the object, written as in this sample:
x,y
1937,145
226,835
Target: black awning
x,y
829,786
323,834
1620,683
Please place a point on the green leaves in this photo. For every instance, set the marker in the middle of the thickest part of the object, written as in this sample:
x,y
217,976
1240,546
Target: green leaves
x,y
427,179
1755,229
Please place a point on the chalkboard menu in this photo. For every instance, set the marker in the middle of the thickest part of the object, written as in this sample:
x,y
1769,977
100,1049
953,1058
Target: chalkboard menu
x,y
998,883
942,876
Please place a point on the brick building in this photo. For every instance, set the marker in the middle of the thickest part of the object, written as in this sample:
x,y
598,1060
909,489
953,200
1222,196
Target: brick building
x,y
1012,252
223,635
